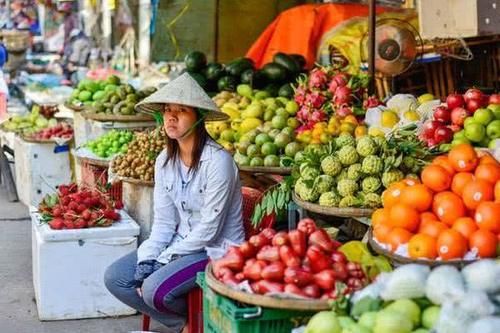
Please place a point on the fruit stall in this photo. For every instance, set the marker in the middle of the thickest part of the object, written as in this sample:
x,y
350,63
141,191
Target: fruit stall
x,y
366,208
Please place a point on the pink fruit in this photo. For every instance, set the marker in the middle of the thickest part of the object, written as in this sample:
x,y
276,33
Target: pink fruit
x,y
455,101
442,114
429,128
473,105
458,116
344,111
455,128
473,94
317,79
494,99
343,95
341,78
443,135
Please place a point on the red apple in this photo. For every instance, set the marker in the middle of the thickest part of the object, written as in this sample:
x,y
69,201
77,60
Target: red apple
x,y
455,128
442,114
443,135
473,105
473,94
494,99
458,116
429,128
454,101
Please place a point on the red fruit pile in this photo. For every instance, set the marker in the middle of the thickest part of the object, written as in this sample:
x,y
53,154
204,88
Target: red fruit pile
x,y
73,208
61,130
303,262
449,117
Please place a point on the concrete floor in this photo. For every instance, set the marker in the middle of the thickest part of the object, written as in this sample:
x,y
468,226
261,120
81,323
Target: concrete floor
x,y
18,312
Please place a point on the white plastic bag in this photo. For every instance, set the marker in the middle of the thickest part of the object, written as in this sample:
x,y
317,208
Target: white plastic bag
x,y
407,281
485,325
483,275
444,283
453,319
477,304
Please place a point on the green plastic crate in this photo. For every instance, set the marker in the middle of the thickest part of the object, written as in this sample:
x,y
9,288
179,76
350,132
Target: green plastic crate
x,y
223,315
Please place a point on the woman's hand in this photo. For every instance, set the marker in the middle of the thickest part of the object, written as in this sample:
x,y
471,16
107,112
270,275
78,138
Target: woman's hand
x,y
139,291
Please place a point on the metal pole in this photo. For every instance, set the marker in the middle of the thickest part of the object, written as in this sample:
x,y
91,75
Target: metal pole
x,y
371,45
144,32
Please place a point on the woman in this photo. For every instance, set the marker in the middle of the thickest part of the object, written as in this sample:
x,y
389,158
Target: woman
x,y
197,203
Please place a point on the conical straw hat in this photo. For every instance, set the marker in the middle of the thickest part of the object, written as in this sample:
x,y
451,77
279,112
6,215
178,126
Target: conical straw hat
x,y
182,90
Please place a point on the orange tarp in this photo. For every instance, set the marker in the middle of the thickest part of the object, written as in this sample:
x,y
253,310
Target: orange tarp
x,y
299,30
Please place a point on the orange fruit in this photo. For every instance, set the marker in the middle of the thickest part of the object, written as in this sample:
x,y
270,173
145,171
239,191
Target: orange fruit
x,y
380,216
391,195
489,172
465,225
404,216
381,232
417,196
463,157
496,191
486,158
445,163
488,216
459,181
411,181
436,178
422,246
397,237
451,245
477,191
432,228
448,207
484,242
426,217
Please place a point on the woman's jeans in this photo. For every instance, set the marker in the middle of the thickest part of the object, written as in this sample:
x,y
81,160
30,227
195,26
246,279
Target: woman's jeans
x,y
164,291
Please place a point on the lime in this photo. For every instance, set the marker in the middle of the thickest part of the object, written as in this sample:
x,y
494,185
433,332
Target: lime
x,y
291,107
292,149
268,115
273,133
269,148
289,131
279,122
282,112
271,161
253,151
281,140
292,122
262,138
242,146
256,161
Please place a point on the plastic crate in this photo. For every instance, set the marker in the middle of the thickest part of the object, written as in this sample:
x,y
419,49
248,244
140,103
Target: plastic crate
x,y
223,315
252,197
195,312
97,176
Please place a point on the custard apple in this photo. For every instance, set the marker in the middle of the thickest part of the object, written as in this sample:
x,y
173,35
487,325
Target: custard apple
x,y
331,165
341,175
392,176
366,146
371,184
380,141
372,200
347,187
308,172
329,199
345,139
349,201
324,183
354,172
348,155
305,192
372,165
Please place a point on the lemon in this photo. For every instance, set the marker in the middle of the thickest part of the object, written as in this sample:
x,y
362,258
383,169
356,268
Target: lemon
x,y
351,119
360,131
374,131
389,119
347,127
411,115
425,98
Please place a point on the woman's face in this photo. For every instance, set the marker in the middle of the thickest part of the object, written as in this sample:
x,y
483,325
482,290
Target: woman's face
x,y
178,119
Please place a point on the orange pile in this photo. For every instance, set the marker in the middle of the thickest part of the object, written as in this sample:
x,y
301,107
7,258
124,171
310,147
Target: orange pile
x,y
455,209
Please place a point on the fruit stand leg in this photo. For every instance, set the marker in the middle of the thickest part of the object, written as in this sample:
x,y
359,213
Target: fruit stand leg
x,y
293,211
7,176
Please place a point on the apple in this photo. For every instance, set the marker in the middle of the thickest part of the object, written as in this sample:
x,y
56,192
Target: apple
x,y
493,129
443,135
455,128
429,128
473,94
468,121
442,114
495,108
493,144
455,101
483,116
458,116
473,104
494,99
459,141
475,132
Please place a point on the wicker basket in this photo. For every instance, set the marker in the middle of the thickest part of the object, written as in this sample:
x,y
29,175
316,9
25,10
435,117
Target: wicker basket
x,y
16,40
251,197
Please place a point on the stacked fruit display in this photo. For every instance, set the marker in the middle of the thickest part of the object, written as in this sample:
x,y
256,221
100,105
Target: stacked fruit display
x,y
354,172
450,118
415,299
29,123
274,77
261,130
453,214
76,208
108,96
112,143
139,160
304,262
326,93
61,130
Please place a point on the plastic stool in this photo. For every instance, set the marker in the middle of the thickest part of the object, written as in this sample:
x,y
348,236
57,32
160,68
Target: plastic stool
x,y
195,312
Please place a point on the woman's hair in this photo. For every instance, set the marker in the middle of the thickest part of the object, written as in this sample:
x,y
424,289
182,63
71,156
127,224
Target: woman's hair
x,y
201,138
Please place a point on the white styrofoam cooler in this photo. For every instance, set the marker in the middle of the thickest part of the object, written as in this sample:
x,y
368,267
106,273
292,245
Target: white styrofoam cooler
x,y
138,201
69,266
40,168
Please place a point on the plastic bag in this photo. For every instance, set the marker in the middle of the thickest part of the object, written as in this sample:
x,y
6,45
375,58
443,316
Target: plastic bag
x,y
406,281
485,325
453,319
483,275
477,304
445,283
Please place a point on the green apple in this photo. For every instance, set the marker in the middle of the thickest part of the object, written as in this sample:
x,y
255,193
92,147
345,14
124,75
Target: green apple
x,y
468,121
459,135
483,116
493,144
459,141
493,129
475,132
430,316
495,108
